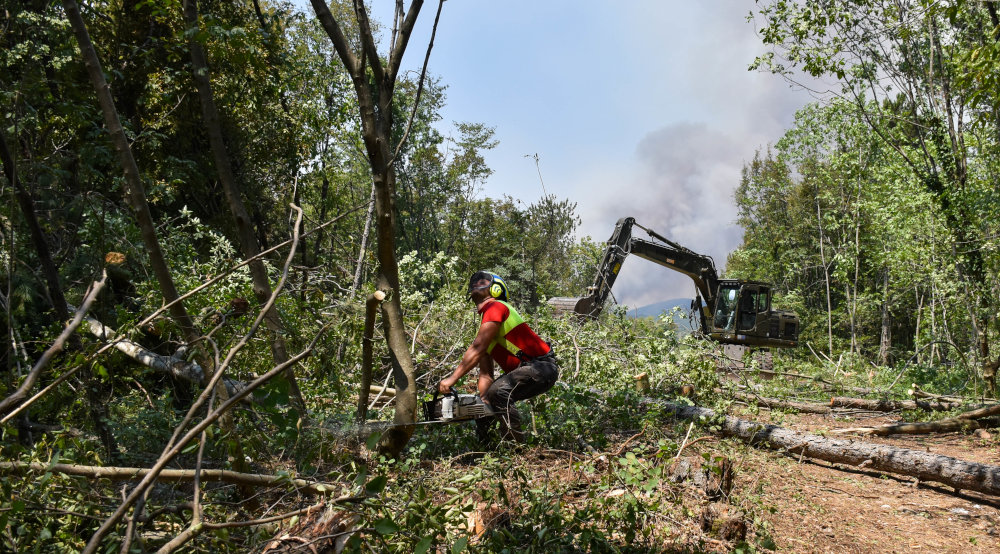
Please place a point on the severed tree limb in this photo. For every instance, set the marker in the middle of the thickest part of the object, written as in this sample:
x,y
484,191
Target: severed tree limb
x,y
893,405
175,445
173,365
949,425
974,419
176,366
924,466
155,471
177,476
62,378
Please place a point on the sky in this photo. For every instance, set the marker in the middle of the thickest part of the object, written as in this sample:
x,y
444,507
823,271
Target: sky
x,y
640,108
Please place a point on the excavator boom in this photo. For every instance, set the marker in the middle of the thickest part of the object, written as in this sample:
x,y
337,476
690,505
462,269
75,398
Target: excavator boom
x,y
741,315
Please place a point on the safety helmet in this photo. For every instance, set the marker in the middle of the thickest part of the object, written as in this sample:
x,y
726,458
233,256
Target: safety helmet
x,y
497,286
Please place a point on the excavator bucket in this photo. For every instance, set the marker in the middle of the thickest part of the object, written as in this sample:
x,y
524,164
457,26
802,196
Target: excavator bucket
x,y
580,305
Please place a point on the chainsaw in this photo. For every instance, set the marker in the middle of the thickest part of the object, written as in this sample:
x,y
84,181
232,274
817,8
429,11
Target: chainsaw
x,y
451,407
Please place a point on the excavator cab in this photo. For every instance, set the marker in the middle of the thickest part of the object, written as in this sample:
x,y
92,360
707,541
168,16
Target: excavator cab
x,y
743,315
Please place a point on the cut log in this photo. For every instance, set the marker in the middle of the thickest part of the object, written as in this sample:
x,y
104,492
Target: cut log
x,y
949,425
924,466
892,405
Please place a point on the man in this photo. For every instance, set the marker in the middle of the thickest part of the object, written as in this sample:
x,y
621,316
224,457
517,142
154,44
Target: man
x,y
528,362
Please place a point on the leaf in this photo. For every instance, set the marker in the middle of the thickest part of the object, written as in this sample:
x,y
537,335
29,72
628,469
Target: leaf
x,y
373,440
385,526
376,485
423,546
460,545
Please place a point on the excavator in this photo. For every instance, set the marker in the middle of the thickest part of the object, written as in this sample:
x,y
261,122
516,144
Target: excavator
x,y
731,311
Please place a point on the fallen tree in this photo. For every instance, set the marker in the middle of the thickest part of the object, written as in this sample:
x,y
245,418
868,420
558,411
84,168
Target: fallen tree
x,y
175,365
949,425
960,474
884,405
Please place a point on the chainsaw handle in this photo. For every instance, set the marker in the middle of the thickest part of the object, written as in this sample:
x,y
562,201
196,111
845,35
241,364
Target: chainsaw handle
x,y
451,392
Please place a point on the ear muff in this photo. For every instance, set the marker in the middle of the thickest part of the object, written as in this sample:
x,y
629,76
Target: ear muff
x,y
498,289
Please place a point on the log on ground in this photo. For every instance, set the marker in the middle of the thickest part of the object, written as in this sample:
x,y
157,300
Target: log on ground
x,y
884,405
925,466
949,425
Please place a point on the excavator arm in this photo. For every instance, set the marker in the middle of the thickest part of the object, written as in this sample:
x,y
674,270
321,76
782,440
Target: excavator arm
x,y
700,268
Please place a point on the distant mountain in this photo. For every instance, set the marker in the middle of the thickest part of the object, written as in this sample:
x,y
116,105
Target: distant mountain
x,y
657,308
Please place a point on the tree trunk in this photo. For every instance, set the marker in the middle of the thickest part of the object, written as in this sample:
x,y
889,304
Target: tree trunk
x,y
892,405
826,279
804,407
950,425
374,85
924,466
886,336
27,205
135,192
95,390
244,229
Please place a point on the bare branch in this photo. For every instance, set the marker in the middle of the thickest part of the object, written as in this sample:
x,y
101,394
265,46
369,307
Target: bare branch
x,y
420,84
304,486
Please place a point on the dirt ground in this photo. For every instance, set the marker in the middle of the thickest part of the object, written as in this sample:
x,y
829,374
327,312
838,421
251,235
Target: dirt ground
x,y
818,507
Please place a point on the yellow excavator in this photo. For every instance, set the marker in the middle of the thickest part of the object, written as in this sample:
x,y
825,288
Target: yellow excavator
x,y
731,311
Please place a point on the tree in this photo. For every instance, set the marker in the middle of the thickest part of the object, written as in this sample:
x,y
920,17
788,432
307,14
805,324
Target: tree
x,y
374,83
901,65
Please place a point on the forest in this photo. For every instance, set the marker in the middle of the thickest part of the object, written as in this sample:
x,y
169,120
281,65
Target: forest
x,y
235,257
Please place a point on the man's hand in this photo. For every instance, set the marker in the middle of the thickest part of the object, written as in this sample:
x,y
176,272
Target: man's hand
x,y
446,384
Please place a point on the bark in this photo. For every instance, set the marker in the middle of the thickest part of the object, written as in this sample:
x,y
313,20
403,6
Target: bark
x,y
924,466
174,476
371,307
175,366
374,84
234,197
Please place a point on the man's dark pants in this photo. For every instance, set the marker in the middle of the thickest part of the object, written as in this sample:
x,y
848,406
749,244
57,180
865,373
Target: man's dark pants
x,y
531,378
